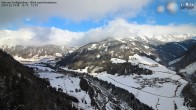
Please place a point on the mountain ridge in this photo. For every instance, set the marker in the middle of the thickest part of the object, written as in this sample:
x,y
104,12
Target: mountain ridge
x,y
20,52
123,48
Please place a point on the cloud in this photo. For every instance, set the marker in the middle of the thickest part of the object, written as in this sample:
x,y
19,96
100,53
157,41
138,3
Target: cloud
x,y
172,7
76,10
114,29
37,36
160,9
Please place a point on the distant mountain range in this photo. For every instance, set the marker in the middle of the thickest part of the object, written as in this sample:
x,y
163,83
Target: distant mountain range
x,y
32,53
97,54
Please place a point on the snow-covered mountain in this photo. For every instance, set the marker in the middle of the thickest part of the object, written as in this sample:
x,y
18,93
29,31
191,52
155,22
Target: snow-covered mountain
x,y
98,54
33,53
119,73
136,65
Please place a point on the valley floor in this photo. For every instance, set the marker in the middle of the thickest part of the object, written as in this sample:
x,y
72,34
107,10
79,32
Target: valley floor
x,y
161,90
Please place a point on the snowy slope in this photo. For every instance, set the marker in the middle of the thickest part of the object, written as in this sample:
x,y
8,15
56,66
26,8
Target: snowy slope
x,y
100,53
175,61
153,91
190,69
69,85
137,59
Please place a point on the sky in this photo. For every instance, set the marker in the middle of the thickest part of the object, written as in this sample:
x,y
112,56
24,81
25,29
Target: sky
x,y
77,22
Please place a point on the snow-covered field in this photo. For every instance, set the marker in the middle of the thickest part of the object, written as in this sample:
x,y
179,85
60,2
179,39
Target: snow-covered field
x,y
33,59
69,85
161,90
39,67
